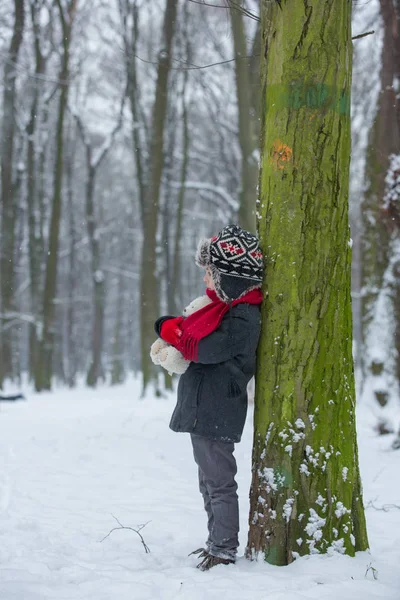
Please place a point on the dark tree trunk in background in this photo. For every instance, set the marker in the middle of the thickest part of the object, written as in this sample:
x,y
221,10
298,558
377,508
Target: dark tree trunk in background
x,y
44,370
379,229
95,369
8,196
176,292
118,369
93,163
149,304
70,342
248,139
35,240
255,87
306,492
175,288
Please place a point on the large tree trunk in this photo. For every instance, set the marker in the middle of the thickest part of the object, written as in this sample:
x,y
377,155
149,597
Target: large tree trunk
x,y
44,368
247,124
306,493
8,196
149,304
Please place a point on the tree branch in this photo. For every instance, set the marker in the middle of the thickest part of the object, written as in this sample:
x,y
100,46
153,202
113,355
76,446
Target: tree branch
x,y
361,35
234,5
146,548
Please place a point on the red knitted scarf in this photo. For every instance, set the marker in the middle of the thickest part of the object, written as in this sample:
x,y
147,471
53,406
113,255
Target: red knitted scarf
x,y
207,319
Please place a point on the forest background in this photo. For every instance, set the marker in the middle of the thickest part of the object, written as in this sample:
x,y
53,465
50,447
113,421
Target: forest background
x,y
130,129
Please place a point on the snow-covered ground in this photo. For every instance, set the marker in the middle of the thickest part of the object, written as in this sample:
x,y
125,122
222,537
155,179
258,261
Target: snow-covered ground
x,y
71,461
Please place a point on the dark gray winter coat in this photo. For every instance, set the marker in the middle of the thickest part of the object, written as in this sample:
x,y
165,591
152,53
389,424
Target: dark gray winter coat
x,y
212,393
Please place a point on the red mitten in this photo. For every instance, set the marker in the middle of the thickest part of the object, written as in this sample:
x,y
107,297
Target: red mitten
x,y
170,330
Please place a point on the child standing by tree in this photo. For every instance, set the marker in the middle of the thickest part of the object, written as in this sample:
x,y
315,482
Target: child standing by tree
x,y
220,340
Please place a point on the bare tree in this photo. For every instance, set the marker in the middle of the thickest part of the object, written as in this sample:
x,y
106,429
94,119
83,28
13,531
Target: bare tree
x,y
247,121
149,180
44,368
8,187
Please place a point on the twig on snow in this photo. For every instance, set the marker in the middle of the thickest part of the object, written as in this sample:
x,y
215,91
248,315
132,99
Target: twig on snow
x,y
384,507
140,527
374,571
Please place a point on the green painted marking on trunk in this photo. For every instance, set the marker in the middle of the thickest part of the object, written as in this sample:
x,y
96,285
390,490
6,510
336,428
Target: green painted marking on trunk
x,y
297,95
283,477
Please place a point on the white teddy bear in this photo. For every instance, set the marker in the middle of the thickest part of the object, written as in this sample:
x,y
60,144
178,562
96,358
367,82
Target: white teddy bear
x,y
167,356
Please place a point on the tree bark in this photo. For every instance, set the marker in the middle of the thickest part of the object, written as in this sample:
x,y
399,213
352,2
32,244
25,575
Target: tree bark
x,y
306,492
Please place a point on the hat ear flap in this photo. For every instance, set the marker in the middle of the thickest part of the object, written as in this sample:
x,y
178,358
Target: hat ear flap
x,y
203,253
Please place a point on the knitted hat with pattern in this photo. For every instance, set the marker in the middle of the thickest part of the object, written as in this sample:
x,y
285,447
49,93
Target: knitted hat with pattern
x,y
235,260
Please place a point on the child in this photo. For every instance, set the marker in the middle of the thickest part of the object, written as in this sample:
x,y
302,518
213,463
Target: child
x,y
220,340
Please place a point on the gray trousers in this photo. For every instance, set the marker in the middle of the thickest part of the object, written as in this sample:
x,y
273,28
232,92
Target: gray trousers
x,y
217,470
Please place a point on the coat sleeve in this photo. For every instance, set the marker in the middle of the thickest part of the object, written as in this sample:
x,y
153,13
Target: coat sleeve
x,y
230,339
159,322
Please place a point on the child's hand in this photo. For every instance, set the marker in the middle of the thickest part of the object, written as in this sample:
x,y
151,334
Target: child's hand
x,y
170,330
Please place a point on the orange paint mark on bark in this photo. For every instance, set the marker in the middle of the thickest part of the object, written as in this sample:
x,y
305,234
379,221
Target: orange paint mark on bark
x,y
281,154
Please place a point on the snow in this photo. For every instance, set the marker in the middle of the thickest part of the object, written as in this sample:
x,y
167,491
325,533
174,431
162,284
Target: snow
x,y
341,510
287,508
289,449
314,525
71,462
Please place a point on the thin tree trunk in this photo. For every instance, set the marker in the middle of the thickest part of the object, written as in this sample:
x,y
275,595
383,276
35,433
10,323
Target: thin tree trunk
x,y
148,284
45,365
306,493
255,85
71,361
8,196
35,243
247,131
117,369
176,261
175,283
95,370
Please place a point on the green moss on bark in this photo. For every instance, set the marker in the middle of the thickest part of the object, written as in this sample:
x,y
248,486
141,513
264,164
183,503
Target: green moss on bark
x,y
306,492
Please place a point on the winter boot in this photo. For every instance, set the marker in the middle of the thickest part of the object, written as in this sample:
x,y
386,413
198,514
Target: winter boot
x,y
202,552
210,561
